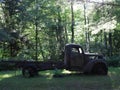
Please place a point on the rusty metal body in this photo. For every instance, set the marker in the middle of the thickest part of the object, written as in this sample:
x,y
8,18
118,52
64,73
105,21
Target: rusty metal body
x,y
76,59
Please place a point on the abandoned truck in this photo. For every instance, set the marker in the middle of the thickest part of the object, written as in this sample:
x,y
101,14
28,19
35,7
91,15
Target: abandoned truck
x,y
75,59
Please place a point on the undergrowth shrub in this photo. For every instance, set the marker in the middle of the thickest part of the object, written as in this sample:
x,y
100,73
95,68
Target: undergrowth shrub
x,y
113,61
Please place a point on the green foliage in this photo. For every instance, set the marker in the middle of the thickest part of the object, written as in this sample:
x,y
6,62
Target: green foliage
x,y
97,15
116,42
20,19
114,61
4,36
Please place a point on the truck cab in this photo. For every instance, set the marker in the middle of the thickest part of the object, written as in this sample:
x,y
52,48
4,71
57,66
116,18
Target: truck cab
x,y
76,59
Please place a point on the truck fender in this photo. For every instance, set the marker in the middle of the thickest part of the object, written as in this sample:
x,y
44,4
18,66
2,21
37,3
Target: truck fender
x,y
90,65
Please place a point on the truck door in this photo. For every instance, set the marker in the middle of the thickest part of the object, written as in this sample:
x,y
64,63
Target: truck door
x,y
76,58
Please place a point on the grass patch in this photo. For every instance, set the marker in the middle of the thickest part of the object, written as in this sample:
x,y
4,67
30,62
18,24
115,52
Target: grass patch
x,y
12,80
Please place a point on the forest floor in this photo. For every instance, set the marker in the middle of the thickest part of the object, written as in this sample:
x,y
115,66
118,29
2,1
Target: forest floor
x,y
13,80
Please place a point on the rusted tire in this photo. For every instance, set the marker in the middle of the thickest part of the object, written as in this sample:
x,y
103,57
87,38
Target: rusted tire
x,y
99,70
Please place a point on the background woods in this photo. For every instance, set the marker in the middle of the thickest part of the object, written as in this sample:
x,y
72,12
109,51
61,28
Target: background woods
x,y
39,29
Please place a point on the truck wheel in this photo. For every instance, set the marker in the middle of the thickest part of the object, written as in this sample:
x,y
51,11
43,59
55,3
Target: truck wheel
x,y
99,70
27,72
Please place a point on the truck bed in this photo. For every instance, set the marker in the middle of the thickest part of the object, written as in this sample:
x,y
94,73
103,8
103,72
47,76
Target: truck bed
x,y
39,65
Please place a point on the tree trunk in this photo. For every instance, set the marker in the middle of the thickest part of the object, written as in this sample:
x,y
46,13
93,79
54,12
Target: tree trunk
x,y
88,37
36,31
72,22
105,41
66,35
3,53
86,29
36,39
110,43
60,31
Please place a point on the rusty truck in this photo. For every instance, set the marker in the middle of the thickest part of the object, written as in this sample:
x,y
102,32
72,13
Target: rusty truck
x,y
75,59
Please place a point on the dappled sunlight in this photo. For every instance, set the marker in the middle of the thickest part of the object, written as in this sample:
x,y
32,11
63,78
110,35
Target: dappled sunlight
x,y
119,68
5,76
66,72
107,26
48,74
100,1
8,74
111,73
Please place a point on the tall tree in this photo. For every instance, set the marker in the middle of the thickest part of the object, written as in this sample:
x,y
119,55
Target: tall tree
x,y
86,28
72,22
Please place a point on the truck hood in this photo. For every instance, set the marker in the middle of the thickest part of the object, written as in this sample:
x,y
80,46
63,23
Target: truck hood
x,y
94,56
